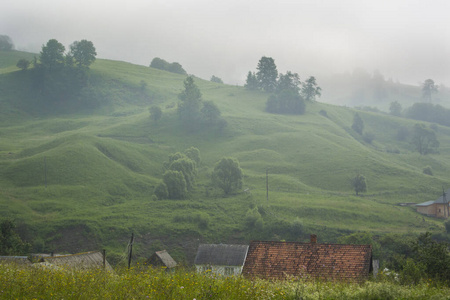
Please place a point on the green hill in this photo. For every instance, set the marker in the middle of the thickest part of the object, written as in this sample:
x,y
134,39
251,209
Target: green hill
x,y
78,176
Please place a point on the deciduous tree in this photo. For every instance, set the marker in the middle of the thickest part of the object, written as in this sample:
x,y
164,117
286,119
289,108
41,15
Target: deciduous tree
x,y
52,55
359,184
310,89
428,89
6,44
10,241
176,184
227,175
424,139
83,52
358,124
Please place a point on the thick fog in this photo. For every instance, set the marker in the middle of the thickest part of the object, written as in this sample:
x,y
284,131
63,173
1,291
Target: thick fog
x,y
406,40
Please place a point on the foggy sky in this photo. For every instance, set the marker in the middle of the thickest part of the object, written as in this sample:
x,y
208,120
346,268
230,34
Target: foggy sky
x,y
405,40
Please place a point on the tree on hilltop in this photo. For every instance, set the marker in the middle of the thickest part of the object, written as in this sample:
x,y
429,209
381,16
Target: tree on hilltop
x,y
52,55
267,74
83,52
428,89
6,44
310,89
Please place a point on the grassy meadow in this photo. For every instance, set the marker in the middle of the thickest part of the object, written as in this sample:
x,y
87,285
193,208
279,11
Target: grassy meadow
x,y
78,177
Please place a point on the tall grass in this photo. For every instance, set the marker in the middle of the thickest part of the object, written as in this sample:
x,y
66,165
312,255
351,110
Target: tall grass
x,y
148,283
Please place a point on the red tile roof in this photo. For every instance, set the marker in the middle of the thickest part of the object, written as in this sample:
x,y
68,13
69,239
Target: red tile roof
x,y
280,260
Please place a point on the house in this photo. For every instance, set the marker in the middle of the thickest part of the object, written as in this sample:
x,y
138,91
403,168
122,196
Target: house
x,y
282,260
80,261
161,259
221,259
438,208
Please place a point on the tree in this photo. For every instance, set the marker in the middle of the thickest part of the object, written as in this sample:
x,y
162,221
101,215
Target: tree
x,y
10,241
227,175
210,113
176,184
358,124
267,74
251,82
310,89
155,113
188,168
395,109
6,43
176,68
194,154
23,64
161,64
428,88
189,107
433,255
286,102
359,184
216,79
83,52
52,55
161,191
424,139
290,81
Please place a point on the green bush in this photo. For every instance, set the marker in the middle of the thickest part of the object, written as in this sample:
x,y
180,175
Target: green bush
x,y
428,170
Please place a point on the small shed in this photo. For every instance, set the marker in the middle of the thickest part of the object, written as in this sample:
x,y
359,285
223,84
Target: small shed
x,y
223,259
438,208
282,260
80,261
161,259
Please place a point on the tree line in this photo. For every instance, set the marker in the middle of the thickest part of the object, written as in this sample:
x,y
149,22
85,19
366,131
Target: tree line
x,y
287,93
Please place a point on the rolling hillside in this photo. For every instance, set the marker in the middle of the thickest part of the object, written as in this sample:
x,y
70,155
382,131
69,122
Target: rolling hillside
x,y
77,176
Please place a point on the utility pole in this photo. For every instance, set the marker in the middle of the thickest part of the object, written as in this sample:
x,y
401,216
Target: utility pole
x,y
130,250
45,171
267,184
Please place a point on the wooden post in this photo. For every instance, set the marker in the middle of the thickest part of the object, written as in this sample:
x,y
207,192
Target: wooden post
x,y
130,250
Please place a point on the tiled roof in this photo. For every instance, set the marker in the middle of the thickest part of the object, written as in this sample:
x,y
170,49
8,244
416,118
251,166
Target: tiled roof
x,y
221,255
280,260
440,200
83,261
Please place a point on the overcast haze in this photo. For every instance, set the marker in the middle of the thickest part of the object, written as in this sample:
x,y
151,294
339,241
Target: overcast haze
x,y
407,41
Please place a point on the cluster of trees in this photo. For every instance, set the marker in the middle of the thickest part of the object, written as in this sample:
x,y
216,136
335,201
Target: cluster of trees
x,y
193,112
412,258
429,113
161,64
181,172
179,176
216,79
59,75
10,241
288,93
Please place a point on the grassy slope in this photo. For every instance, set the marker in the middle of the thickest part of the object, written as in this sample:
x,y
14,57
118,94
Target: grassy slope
x,y
102,167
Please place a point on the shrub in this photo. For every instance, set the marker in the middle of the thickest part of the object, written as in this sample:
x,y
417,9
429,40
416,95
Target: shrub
x,y
161,191
369,137
427,170
447,226
323,113
253,218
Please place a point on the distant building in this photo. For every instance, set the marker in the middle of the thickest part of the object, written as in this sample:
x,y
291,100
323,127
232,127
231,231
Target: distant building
x,y
80,261
439,208
221,259
283,260
161,259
